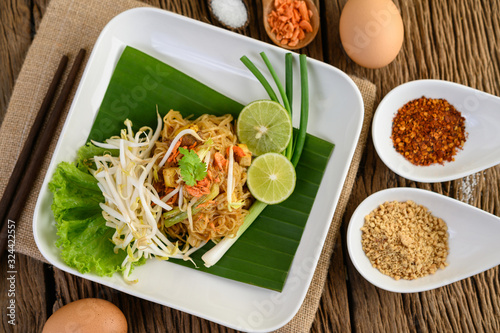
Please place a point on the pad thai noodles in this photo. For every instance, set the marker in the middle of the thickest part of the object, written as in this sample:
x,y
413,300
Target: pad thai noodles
x,y
171,190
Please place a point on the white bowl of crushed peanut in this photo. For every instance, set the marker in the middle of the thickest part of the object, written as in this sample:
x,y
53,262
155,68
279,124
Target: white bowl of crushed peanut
x,y
410,240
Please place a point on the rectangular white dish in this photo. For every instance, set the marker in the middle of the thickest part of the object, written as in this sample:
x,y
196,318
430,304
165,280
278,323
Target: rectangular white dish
x,y
211,55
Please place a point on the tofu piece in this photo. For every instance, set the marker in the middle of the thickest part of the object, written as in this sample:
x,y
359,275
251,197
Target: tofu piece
x,y
170,176
247,159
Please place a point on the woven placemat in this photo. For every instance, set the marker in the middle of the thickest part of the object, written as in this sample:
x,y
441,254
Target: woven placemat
x,y
68,26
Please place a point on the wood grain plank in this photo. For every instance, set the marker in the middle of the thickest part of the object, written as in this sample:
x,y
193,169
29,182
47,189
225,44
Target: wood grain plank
x,y
27,287
38,8
16,34
445,40
452,40
15,39
142,315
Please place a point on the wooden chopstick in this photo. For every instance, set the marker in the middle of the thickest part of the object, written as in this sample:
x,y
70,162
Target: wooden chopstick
x,y
32,163
28,145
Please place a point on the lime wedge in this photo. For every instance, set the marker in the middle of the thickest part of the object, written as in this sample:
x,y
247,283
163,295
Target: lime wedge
x,y
271,178
264,126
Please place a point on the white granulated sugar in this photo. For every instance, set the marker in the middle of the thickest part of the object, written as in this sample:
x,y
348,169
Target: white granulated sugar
x,y
232,13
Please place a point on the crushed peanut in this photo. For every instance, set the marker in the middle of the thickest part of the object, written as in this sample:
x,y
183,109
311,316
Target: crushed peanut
x,y
404,240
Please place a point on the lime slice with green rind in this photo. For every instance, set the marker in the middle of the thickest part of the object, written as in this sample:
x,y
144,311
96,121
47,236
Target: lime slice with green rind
x,y
264,126
271,178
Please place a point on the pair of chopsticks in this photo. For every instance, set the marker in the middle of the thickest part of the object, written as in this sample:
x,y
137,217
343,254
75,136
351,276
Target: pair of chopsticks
x,y
29,161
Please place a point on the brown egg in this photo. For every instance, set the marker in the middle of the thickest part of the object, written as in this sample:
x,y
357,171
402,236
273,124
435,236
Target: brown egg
x,y
87,315
371,32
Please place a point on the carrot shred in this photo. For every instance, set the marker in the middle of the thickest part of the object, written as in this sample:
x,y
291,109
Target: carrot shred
x,y
175,152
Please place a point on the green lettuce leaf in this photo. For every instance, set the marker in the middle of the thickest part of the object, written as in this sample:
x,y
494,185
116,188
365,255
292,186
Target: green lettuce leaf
x,y
84,238
87,152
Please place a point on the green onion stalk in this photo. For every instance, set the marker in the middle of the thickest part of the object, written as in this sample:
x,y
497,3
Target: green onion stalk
x,y
294,148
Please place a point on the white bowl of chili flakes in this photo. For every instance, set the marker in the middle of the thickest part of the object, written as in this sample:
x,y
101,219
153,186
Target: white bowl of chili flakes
x,y
417,145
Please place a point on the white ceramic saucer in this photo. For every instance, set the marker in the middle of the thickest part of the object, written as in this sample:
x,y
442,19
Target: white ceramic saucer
x,y
473,240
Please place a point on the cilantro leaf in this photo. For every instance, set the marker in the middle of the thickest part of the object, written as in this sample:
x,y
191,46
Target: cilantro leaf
x,y
192,168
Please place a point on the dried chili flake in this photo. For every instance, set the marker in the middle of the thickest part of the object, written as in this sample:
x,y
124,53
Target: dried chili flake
x,y
428,131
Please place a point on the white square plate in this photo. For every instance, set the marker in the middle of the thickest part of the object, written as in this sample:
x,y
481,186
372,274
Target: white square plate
x,y
211,55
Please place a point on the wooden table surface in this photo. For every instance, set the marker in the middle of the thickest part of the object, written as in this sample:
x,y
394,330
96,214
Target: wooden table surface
x,y
456,40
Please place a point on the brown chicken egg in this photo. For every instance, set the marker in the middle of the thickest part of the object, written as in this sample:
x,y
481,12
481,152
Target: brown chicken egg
x,y
87,315
371,32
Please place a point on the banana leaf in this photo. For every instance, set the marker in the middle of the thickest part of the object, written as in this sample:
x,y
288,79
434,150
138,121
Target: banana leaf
x,y
264,253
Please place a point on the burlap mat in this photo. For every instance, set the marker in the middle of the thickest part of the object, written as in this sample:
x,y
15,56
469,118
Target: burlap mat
x,y
68,26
